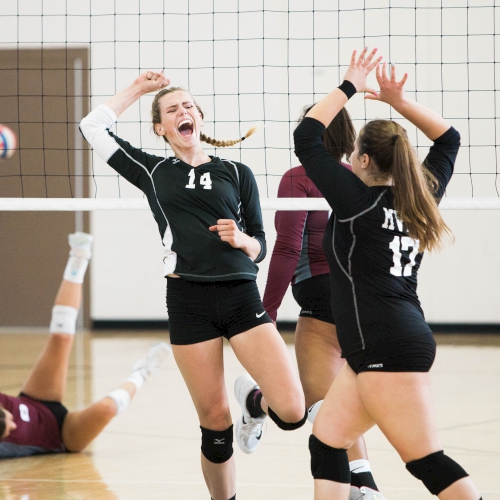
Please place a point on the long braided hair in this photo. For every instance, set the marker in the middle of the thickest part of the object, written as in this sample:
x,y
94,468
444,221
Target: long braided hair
x,y
156,119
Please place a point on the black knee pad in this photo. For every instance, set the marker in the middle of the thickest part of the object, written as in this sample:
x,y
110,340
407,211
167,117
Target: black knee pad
x,y
285,425
328,463
437,471
217,446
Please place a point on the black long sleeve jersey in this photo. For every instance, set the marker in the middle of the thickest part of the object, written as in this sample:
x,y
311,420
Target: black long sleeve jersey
x,y
373,262
185,202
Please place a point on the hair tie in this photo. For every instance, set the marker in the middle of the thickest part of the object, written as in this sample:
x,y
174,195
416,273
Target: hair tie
x,y
394,139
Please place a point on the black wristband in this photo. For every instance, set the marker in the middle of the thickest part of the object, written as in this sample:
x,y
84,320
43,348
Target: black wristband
x,y
348,88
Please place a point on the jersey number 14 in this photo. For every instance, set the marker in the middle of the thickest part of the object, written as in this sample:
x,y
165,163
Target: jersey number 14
x,y
401,245
205,180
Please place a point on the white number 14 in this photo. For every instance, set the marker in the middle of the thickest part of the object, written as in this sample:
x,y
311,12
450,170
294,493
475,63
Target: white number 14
x,y
403,244
205,180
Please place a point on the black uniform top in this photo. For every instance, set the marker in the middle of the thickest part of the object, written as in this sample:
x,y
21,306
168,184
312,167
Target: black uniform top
x,y
373,262
185,202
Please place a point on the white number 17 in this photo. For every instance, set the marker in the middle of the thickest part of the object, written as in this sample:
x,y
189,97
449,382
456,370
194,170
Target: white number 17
x,y
403,244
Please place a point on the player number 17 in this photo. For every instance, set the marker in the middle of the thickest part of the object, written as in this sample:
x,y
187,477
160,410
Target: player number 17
x,y
403,244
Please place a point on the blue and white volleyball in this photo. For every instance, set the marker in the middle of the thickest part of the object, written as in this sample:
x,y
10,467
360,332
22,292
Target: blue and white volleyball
x,y
8,142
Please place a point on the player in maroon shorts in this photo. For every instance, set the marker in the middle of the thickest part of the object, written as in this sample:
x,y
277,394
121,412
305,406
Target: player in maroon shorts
x,y
35,422
298,259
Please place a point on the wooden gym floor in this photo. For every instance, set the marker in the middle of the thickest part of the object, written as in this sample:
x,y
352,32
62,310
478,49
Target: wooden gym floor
x,y
152,450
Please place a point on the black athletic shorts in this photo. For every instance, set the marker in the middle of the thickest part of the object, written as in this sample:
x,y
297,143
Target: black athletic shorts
x,y
415,354
205,310
57,408
313,296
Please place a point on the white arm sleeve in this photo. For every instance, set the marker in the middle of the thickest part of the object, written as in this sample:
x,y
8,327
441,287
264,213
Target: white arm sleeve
x,y
94,128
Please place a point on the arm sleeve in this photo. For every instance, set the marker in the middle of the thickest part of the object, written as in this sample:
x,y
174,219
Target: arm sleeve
x,y
250,209
441,158
343,190
289,236
133,164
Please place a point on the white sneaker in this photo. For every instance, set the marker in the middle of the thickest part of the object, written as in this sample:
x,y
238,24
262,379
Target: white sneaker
x,y
365,493
153,361
248,429
80,244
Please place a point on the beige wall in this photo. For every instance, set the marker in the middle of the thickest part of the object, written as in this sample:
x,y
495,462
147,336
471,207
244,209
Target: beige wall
x,y
38,104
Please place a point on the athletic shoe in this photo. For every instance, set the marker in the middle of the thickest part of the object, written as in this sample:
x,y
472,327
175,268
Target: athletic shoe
x,y
248,429
153,361
80,244
365,493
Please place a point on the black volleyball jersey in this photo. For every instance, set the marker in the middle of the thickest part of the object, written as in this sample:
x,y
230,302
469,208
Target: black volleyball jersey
x,y
373,262
185,202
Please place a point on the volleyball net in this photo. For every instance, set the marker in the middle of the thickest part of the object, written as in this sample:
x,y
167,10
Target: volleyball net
x,y
246,63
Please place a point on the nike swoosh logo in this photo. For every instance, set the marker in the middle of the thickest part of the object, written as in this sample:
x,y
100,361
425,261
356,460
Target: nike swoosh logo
x,y
260,315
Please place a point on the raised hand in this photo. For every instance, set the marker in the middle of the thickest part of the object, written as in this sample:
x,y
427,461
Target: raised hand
x,y
360,68
391,91
151,81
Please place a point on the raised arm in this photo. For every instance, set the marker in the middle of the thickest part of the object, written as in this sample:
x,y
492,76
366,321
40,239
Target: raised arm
x,y
354,81
149,81
392,92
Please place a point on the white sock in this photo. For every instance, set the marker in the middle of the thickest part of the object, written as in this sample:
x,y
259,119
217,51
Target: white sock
x,y
361,465
137,378
63,319
313,411
122,399
75,269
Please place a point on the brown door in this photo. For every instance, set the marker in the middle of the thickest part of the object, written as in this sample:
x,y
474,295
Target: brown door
x,y
43,93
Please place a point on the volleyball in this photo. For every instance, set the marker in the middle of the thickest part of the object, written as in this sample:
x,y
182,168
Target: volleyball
x,y
8,142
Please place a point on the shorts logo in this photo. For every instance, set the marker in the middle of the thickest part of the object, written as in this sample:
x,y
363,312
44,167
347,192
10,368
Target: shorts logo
x,y
307,312
260,315
377,365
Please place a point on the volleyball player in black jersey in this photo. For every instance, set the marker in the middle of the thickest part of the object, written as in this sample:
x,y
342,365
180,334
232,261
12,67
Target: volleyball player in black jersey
x,y
209,217
384,215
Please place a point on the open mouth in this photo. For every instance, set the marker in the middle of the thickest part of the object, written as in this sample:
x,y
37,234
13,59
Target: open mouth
x,y
185,128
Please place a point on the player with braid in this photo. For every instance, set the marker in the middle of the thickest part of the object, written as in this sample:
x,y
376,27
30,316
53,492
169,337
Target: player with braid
x,y
35,422
384,215
209,217
298,258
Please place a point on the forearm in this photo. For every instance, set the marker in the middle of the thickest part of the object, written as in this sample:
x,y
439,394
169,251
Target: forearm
x,y
125,98
251,246
426,120
328,108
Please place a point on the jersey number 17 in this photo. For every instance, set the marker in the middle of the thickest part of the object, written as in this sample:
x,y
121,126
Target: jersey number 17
x,y
401,245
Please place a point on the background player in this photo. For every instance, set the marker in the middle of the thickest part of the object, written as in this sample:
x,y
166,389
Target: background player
x,y
384,215
298,258
209,217
36,422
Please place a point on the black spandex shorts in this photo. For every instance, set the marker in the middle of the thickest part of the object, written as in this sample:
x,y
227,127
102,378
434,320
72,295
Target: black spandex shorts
x,y
205,310
415,354
58,409
313,296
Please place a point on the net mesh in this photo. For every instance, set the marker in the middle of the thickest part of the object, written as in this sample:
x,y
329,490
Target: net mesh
x,y
246,63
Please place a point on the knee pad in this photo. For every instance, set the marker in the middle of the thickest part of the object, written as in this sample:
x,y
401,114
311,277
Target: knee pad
x,y
217,446
285,425
63,319
437,471
328,463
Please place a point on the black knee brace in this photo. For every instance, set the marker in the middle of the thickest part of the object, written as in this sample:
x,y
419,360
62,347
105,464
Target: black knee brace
x,y
217,446
437,471
328,463
285,425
